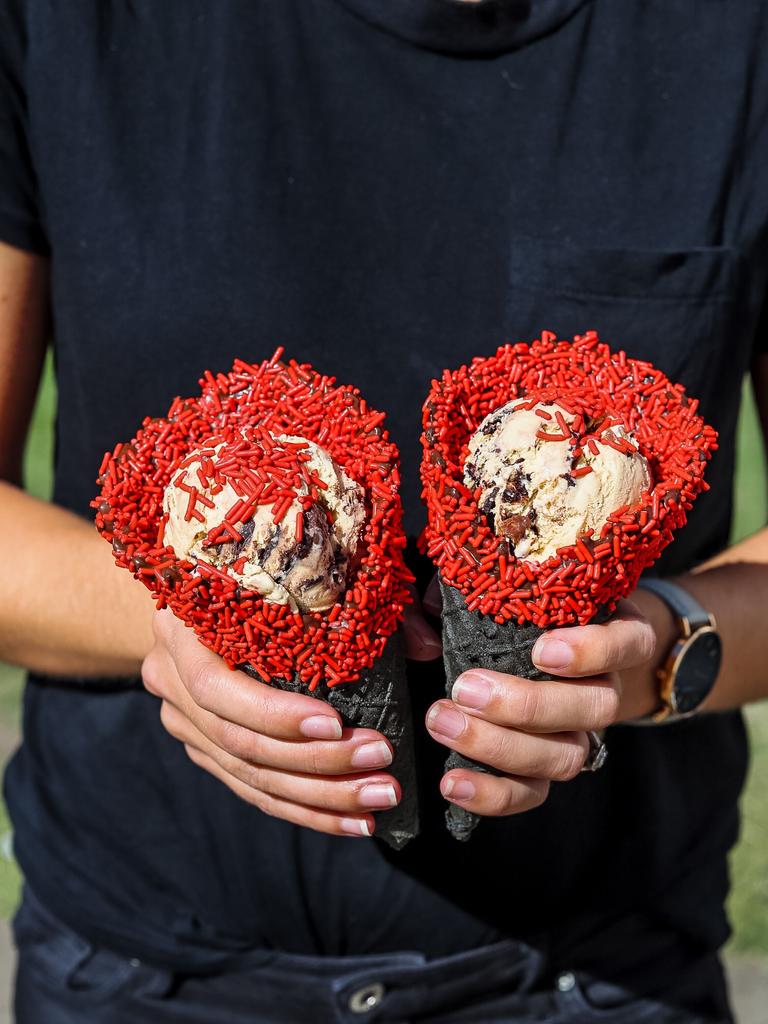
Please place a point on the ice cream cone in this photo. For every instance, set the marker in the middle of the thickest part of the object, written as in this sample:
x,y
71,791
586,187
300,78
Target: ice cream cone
x,y
497,602
265,513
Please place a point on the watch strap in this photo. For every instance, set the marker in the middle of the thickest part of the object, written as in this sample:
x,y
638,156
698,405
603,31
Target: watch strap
x,y
680,601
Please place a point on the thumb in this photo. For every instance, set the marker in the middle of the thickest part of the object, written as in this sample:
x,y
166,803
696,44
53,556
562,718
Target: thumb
x,y
421,641
433,599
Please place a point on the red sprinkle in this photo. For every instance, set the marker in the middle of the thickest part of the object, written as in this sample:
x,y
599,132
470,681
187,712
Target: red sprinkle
x,y
543,436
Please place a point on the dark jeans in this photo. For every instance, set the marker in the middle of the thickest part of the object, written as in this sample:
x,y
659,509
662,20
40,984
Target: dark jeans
x,y
62,979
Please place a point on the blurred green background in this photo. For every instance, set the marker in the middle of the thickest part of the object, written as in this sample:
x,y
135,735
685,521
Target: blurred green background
x,y
749,900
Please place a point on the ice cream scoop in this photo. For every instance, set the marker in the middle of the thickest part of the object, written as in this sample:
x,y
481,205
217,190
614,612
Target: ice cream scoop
x,y
290,546
547,477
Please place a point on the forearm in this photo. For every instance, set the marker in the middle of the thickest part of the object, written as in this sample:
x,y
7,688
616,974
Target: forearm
x,y
64,609
734,587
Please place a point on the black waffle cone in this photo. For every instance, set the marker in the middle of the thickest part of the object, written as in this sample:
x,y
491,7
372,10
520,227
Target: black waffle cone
x,y
379,700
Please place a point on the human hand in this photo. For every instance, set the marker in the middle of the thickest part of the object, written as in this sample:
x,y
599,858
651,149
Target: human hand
x,y
535,732
285,753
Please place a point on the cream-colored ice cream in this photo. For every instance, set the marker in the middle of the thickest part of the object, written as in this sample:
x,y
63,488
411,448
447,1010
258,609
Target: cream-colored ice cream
x,y
310,572
543,495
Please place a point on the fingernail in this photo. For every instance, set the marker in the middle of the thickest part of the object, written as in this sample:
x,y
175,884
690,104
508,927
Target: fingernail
x,y
473,691
549,653
446,721
321,727
356,826
378,795
372,755
457,789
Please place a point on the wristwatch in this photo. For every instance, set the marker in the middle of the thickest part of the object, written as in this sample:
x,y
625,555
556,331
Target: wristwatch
x,y
690,671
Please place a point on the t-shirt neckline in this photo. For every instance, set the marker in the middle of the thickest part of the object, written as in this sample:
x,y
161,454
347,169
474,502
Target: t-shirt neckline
x,y
456,26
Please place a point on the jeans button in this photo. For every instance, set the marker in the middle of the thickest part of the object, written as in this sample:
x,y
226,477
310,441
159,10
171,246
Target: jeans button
x,y
565,981
366,998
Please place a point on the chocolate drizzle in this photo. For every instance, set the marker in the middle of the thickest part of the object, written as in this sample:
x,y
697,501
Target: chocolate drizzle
x,y
246,532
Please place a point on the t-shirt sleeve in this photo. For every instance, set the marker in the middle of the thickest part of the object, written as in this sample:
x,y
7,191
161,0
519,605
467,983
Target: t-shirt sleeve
x,y
21,221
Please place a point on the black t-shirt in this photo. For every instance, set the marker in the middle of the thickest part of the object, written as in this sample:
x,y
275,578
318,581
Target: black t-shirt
x,y
386,188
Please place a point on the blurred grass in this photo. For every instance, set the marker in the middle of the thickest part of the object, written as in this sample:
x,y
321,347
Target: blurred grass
x,y
749,899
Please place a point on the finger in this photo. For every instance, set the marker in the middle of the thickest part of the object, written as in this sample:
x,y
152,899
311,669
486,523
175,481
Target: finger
x,y
158,673
321,821
432,602
556,756
624,641
346,794
374,791
421,641
493,795
537,706
358,750
237,697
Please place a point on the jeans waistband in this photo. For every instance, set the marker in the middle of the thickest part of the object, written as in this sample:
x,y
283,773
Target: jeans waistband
x,y
338,988
501,982
398,982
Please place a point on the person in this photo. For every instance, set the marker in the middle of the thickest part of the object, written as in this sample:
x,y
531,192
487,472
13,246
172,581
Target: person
x,y
386,189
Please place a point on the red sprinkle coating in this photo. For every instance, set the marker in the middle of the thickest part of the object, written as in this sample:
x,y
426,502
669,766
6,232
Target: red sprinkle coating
x,y
267,398
585,378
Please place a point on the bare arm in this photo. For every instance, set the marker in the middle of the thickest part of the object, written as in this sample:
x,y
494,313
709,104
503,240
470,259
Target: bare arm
x,y
63,607
734,586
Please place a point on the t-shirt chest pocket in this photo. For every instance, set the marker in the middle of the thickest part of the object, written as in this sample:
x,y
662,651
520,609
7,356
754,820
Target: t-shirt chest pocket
x,y
676,308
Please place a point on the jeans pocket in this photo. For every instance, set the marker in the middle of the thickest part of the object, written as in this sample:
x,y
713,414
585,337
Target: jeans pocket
x,y
582,1003
61,961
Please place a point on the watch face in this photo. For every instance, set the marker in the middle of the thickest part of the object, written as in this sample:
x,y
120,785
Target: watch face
x,y
697,669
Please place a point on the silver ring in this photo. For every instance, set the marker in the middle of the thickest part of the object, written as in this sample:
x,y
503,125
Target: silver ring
x,y
597,752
